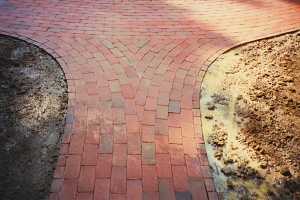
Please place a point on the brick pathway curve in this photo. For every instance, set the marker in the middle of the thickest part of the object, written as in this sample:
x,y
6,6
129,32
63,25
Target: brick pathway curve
x,y
134,71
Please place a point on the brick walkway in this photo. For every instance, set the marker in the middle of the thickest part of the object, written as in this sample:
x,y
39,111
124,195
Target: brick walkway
x,y
134,71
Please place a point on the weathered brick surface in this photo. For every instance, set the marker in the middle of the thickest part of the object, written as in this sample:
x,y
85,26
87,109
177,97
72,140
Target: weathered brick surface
x,y
134,72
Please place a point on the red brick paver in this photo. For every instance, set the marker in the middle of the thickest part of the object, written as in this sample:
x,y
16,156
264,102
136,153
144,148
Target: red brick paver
x,y
134,71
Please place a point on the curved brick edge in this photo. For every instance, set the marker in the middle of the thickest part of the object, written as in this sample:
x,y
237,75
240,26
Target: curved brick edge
x,y
217,51
222,51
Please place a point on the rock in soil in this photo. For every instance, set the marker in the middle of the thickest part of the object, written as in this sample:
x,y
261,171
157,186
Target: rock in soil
x,y
33,102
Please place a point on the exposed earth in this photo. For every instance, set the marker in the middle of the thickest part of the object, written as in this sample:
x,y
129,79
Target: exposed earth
x,y
33,102
251,119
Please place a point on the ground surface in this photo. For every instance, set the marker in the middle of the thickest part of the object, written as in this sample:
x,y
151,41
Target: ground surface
x,y
251,120
33,103
134,71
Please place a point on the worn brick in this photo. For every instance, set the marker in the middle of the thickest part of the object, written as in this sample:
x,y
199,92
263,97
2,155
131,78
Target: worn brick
x,y
198,190
148,133
180,178
118,180
149,118
161,127
89,156
177,154
151,104
106,144
162,112
68,191
72,166
193,166
134,167
148,153
102,189
86,179
120,155
84,196
166,189
175,136
134,143
132,124
161,144
120,134
134,190
163,166
174,107
76,144
104,165
150,196
183,195
150,181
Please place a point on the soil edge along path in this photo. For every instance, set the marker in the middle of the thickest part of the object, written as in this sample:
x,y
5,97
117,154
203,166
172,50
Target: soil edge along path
x,y
33,103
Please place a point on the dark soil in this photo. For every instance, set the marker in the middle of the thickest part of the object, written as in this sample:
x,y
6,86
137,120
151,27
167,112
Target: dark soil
x,y
33,102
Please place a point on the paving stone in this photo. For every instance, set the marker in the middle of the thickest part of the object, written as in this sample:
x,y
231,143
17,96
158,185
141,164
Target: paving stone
x,y
148,133
166,190
106,144
150,181
150,196
134,167
120,155
118,180
87,179
102,189
161,144
117,100
197,188
163,166
174,107
72,166
89,156
134,143
134,190
148,153
162,112
104,165
183,196
175,136
180,178
84,196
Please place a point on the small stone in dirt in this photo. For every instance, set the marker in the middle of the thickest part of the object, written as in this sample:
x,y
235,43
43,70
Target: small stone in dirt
x,y
218,154
211,107
263,164
228,171
239,97
285,171
228,161
229,184
220,99
209,117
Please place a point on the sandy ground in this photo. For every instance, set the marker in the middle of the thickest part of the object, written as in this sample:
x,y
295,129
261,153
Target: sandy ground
x,y
33,101
251,119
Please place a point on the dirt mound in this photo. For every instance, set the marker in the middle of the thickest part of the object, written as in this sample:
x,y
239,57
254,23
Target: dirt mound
x,y
252,94
33,102
272,126
271,109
